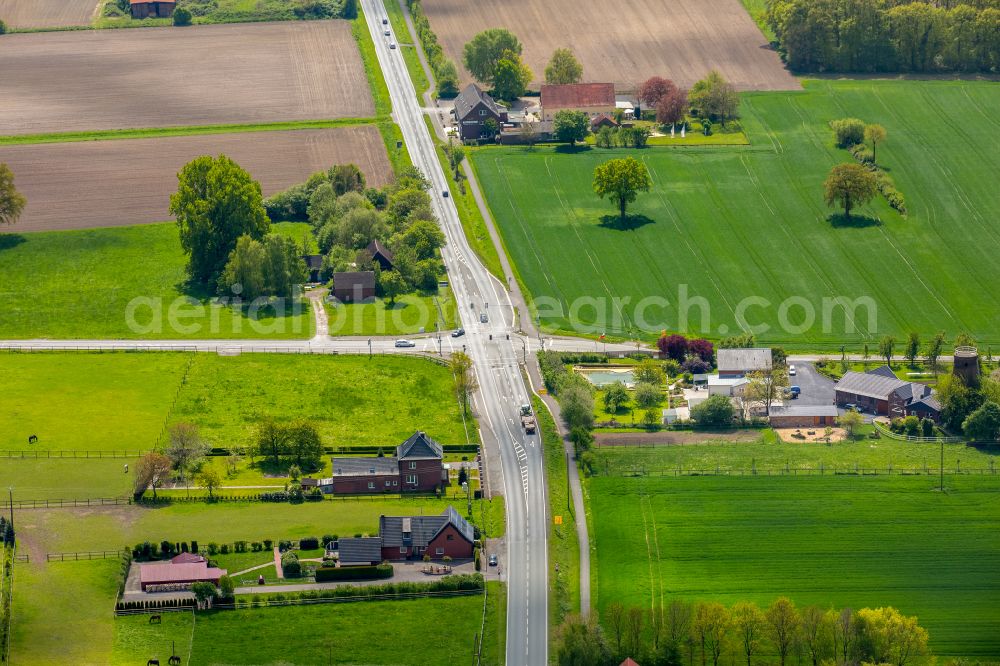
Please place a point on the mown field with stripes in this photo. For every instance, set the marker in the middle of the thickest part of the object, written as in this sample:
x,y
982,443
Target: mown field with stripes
x,y
728,224
831,541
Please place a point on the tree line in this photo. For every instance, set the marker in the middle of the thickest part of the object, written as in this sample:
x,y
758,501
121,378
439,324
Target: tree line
x,y
887,35
701,633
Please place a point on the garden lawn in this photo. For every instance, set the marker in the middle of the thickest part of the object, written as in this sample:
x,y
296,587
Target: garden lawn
x,y
733,223
832,541
68,530
410,314
91,277
769,454
353,633
63,612
121,401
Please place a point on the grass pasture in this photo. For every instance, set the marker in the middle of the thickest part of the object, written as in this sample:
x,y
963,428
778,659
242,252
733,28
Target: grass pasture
x,y
410,313
123,283
829,541
121,401
733,223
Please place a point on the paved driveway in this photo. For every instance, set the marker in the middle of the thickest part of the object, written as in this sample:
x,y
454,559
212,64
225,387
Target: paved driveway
x,y
816,388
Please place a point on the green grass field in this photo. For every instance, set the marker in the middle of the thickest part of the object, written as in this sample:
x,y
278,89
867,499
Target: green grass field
x,y
410,313
121,401
830,541
769,453
91,277
750,223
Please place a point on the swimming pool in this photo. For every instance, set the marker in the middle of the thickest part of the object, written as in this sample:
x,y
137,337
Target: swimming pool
x,y
601,377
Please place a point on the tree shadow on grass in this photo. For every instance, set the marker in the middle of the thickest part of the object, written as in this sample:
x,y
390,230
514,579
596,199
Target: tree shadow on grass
x,y
578,148
8,241
841,221
630,223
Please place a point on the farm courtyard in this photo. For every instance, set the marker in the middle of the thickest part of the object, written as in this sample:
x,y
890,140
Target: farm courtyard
x,y
747,225
832,540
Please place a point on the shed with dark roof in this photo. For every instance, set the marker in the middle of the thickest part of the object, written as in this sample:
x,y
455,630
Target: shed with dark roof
x,y
741,362
152,8
381,255
354,287
357,552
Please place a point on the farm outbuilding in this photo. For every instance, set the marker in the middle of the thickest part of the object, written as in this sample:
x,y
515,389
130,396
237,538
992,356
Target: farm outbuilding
x,y
153,8
880,392
741,362
355,287
594,99
803,416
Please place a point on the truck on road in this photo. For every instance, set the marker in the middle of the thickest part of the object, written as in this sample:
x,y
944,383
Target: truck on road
x,y
528,420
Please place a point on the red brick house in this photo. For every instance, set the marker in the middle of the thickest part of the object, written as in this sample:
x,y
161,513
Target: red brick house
x,y
152,8
880,392
416,467
473,108
411,537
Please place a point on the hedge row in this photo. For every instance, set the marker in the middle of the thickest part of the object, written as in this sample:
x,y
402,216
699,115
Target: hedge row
x,y
445,71
372,572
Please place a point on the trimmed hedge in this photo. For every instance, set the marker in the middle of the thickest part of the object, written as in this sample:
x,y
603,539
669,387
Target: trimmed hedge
x,y
375,572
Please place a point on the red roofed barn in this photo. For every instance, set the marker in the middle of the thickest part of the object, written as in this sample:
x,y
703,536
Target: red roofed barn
x,y
593,99
183,572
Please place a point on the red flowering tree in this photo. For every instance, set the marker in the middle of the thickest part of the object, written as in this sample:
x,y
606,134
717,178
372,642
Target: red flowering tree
x,y
654,89
701,348
672,107
673,346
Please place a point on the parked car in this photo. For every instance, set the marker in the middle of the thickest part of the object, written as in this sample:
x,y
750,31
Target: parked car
x,y
493,560
483,318
851,407
458,332
405,343
791,370
794,391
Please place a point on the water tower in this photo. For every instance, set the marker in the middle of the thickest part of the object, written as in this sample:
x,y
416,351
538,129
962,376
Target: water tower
x,y
967,365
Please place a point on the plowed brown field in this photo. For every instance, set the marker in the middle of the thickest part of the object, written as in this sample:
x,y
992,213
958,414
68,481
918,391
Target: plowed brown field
x,y
46,13
624,42
201,75
129,181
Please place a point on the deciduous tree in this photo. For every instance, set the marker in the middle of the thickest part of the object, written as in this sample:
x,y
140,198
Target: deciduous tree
x,y
672,107
983,425
216,203
152,471
304,445
711,623
912,347
783,624
647,395
885,347
570,126
849,185
615,396
850,421
185,448
464,378
934,349
510,77
766,386
581,642
875,134
654,89
576,403
891,637
621,180
716,410
715,98
485,50
615,617
12,202
563,67
210,480
750,625
393,285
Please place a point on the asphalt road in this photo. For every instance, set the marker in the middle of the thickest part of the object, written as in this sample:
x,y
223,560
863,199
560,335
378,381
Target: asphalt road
x,y
495,353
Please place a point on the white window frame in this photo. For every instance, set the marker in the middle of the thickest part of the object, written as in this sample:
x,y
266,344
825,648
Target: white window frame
x,y
402,550
371,485
411,479
439,551
413,465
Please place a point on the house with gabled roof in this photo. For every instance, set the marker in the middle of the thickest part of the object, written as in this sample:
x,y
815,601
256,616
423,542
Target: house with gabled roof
x,y
473,108
417,467
594,99
880,392
381,255
741,362
411,537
